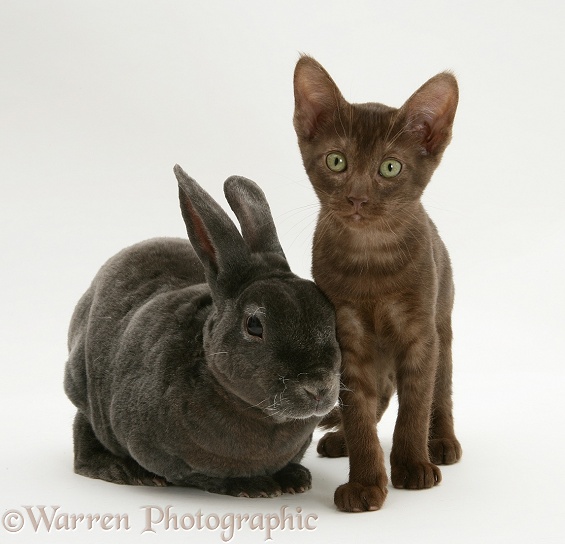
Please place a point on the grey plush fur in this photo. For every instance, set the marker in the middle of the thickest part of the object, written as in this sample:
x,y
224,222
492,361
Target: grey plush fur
x,y
205,365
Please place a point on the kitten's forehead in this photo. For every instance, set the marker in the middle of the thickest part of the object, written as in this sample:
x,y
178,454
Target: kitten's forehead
x,y
375,107
372,125
373,115
355,119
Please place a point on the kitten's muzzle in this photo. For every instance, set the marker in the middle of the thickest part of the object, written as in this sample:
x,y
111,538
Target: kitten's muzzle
x,y
357,202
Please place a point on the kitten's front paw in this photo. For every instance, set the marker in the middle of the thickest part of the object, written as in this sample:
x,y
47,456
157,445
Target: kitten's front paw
x,y
332,444
415,475
258,486
444,451
354,497
294,478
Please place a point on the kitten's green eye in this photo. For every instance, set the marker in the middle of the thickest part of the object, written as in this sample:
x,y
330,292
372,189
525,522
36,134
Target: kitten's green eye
x,y
336,162
390,168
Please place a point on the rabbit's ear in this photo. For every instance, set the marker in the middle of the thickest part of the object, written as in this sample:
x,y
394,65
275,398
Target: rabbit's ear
x,y
249,204
213,235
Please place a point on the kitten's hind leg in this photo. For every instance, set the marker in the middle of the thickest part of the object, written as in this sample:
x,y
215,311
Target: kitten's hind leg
x,y
332,444
443,446
93,460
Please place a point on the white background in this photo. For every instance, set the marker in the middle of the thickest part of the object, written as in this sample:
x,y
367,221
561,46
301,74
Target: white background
x,y
99,99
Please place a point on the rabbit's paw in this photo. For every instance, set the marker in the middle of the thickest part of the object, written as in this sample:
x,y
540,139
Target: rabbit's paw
x,y
444,451
253,487
119,471
355,497
332,444
93,460
415,475
294,478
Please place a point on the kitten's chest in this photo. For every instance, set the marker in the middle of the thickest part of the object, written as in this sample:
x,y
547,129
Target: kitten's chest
x,y
377,265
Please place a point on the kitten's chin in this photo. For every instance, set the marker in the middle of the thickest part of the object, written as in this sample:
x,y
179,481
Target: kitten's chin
x,y
355,220
352,220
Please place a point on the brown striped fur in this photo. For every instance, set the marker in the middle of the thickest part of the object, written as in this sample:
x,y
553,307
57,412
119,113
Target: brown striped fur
x,y
379,258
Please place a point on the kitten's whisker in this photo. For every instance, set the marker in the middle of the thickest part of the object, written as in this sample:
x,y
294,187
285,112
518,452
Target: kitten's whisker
x,y
391,124
309,225
338,110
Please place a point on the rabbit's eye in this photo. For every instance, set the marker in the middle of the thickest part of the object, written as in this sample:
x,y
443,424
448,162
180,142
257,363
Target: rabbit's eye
x,y
254,326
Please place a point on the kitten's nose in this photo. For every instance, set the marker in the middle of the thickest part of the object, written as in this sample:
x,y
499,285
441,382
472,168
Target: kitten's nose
x,y
358,202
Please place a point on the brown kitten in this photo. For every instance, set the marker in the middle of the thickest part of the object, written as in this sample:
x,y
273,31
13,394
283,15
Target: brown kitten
x,y
378,257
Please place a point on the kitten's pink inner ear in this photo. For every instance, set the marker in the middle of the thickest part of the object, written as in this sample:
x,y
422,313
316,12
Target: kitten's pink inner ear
x,y
309,107
430,112
316,96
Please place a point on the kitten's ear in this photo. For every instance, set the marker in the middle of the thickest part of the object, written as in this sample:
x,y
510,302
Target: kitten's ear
x,y
316,97
430,111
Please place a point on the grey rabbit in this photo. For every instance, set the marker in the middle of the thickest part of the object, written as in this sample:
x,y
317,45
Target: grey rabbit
x,y
206,364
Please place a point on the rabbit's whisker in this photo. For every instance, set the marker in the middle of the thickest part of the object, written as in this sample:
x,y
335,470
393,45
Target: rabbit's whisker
x,y
258,404
342,387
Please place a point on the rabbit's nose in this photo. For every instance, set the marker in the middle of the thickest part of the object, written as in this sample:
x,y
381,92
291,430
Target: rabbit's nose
x,y
315,393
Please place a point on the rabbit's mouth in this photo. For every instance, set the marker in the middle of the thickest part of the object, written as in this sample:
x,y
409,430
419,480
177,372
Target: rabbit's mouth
x,y
302,402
